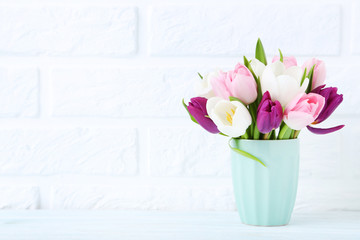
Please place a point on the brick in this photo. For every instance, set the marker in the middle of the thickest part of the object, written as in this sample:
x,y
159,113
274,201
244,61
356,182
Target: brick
x,y
125,92
149,197
77,151
19,197
188,152
19,92
196,30
68,31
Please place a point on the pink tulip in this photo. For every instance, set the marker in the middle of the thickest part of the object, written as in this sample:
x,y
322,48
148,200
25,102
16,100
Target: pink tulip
x,y
288,61
241,84
319,74
238,83
219,87
303,110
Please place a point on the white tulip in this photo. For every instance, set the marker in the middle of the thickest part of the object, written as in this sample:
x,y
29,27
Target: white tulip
x,y
257,66
283,84
203,87
231,117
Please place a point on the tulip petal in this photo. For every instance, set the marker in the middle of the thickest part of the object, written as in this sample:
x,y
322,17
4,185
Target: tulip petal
x,y
242,118
257,66
269,83
278,68
289,89
298,120
210,105
324,130
205,122
186,107
296,72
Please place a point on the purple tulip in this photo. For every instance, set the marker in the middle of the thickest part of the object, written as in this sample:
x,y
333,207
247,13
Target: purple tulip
x,y
332,101
197,108
269,114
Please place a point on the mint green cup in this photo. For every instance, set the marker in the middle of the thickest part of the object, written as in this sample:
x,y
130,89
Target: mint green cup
x,y
265,196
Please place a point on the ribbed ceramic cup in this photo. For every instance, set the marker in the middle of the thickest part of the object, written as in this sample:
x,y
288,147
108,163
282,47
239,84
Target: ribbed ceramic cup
x,y
265,196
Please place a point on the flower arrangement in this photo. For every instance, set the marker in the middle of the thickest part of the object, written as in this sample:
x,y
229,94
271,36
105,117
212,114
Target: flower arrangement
x,y
264,101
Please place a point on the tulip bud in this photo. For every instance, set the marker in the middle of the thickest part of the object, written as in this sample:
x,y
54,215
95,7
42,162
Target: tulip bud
x,y
269,114
231,117
241,84
197,108
303,110
332,101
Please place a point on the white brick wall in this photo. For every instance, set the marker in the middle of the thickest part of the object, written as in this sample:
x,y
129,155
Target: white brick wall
x,y
90,100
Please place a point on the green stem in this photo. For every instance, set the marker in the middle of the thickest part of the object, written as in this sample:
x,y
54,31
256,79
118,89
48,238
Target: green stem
x,y
273,135
256,133
268,135
244,136
292,133
296,133
250,130
284,132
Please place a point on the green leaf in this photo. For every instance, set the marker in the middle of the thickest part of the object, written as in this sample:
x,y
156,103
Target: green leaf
x,y
191,117
246,62
223,134
310,76
245,154
236,99
200,75
248,65
257,80
285,132
253,111
281,56
303,77
260,52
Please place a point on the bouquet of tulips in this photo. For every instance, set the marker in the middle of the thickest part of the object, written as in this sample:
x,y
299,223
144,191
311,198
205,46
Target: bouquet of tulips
x,y
261,100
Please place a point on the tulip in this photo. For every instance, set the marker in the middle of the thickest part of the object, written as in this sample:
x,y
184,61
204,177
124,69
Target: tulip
x,y
203,87
238,83
257,66
197,109
332,101
319,73
288,61
218,83
269,114
241,84
283,84
231,117
303,110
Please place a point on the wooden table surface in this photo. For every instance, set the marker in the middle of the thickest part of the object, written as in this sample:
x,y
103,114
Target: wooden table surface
x,y
104,225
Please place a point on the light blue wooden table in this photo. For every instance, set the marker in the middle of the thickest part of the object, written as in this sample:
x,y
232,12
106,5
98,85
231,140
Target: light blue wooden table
x,y
104,225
